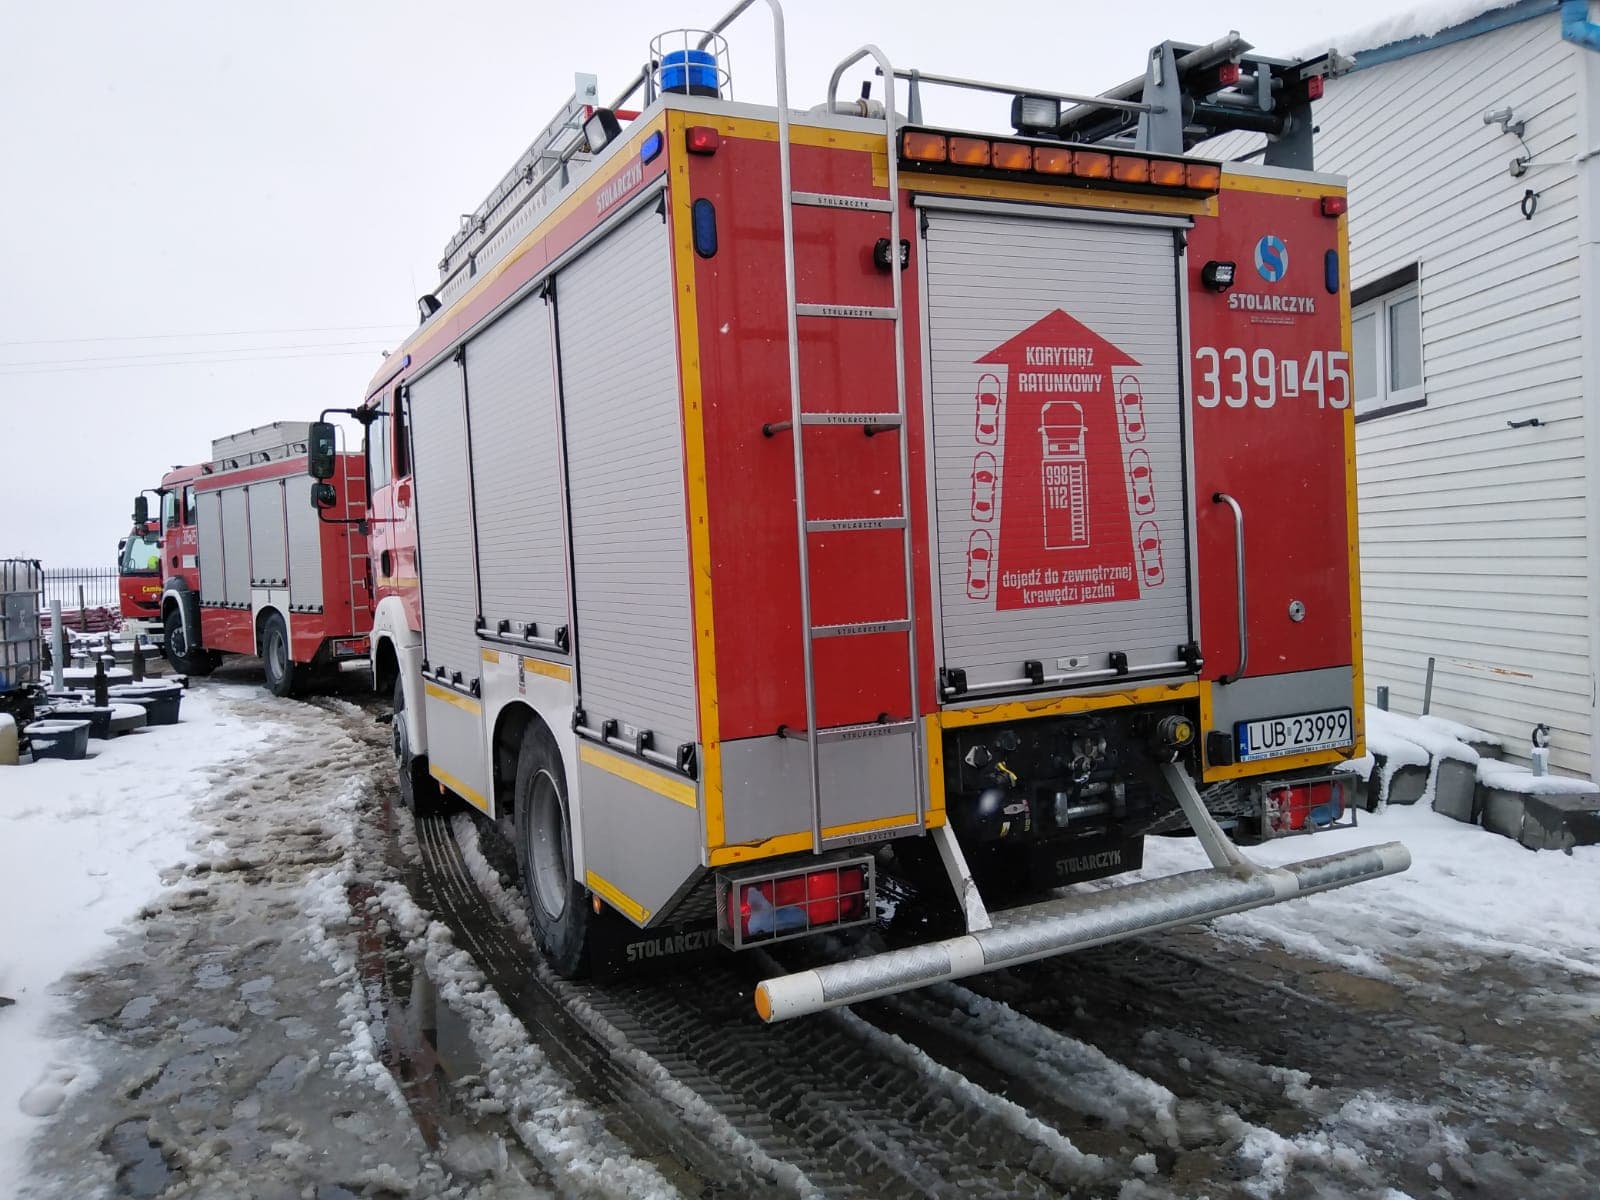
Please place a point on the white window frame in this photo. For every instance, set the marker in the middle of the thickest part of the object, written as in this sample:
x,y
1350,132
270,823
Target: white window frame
x,y
1389,398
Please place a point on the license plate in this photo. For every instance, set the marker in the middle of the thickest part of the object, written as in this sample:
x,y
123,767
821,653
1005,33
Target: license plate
x,y
1277,736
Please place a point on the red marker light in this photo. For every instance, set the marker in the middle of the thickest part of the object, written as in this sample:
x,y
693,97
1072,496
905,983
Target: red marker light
x,y
1228,74
1335,206
1314,86
702,139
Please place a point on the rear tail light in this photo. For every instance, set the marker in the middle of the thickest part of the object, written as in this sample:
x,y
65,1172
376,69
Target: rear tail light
x,y
771,907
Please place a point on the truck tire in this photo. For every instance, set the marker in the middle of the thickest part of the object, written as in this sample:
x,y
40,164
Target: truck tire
x,y
558,905
176,648
277,657
418,792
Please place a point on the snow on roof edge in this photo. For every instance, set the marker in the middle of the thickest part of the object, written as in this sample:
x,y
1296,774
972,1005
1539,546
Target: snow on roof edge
x,y
1423,22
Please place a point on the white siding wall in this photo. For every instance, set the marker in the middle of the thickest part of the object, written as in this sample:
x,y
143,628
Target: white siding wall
x,y
1474,535
1473,545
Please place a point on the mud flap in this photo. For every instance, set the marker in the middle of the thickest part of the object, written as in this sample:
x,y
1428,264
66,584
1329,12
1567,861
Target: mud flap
x,y
619,949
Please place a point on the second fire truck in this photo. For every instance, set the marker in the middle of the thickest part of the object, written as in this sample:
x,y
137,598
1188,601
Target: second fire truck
x,y
251,566
773,503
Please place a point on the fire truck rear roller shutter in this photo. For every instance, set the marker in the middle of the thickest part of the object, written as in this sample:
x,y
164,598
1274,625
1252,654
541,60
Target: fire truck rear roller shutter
x,y
991,281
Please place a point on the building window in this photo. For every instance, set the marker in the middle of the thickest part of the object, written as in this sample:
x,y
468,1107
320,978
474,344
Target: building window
x,y
1386,345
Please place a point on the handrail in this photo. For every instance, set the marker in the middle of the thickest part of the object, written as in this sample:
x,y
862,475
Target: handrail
x,y
1005,89
1244,631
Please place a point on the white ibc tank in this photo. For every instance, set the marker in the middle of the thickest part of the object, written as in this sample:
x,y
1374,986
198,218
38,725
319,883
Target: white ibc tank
x,y
20,580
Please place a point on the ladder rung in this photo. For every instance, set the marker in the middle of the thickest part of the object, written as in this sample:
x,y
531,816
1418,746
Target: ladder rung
x,y
852,524
859,628
888,420
860,312
833,200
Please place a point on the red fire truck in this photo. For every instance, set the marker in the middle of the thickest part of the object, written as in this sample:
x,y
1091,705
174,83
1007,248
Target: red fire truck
x,y
773,503
139,581
252,567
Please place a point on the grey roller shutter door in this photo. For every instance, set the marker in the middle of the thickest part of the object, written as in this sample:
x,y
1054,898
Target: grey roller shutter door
x,y
624,429
305,543
235,547
209,516
444,522
1054,347
516,471
269,551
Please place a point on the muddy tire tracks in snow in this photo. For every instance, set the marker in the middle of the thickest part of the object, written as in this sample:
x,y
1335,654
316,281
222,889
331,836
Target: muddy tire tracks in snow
x,y
1174,1065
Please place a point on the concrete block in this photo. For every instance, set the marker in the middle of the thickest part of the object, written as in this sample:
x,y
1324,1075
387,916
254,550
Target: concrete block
x,y
1455,790
1556,822
1408,784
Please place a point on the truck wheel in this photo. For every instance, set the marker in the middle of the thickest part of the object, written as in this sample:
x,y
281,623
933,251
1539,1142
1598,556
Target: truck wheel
x,y
276,657
176,648
418,792
558,905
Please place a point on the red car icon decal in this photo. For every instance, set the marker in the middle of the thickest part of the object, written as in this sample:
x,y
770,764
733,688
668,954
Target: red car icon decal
x,y
985,475
980,564
986,426
1130,402
1150,555
1142,480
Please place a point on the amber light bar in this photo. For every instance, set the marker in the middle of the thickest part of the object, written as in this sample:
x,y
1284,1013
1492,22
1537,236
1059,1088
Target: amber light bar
x,y
1003,157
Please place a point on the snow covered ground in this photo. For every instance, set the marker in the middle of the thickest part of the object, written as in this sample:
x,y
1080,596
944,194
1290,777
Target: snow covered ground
x,y
83,846
229,982
1469,894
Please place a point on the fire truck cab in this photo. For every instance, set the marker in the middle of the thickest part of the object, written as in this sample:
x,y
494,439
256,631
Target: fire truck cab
x,y
250,566
770,501
139,580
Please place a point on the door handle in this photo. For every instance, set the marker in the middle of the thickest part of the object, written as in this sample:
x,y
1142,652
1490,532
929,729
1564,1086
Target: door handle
x,y
1238,558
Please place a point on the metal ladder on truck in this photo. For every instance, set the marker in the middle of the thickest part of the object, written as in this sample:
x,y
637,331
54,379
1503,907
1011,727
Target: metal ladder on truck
x,y
883,421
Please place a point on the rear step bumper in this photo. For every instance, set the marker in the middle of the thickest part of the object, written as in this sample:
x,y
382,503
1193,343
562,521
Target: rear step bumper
x,y
1072,923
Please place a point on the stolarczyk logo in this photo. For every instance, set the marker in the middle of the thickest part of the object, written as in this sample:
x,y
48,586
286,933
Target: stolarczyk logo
x,y
1272,258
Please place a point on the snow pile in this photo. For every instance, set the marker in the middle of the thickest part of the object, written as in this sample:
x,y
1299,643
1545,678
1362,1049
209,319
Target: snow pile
x,y
1468,897
1360,767
83,845
1405,737
1461,732
1513,778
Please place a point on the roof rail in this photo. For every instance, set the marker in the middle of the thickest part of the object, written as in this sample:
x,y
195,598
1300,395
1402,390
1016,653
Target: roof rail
x,y
1187,95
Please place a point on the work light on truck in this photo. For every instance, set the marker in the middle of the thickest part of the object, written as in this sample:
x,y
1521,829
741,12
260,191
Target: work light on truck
x,y
754,908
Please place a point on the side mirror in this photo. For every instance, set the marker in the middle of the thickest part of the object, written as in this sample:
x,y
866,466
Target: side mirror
x,y
324,447
323,495
141,511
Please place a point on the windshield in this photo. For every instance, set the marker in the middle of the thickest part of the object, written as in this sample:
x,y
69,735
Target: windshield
x,y
141,552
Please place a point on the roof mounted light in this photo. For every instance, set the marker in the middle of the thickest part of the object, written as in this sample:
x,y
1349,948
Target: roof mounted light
x,y
1035,114
601,129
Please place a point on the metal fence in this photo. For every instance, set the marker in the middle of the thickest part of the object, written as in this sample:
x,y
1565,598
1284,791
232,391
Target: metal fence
x,y
99,586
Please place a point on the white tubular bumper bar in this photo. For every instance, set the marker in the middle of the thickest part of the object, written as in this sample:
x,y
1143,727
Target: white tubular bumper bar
x,y
1071,923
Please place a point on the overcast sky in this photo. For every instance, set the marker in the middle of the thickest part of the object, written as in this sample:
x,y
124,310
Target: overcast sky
x,y
213,216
